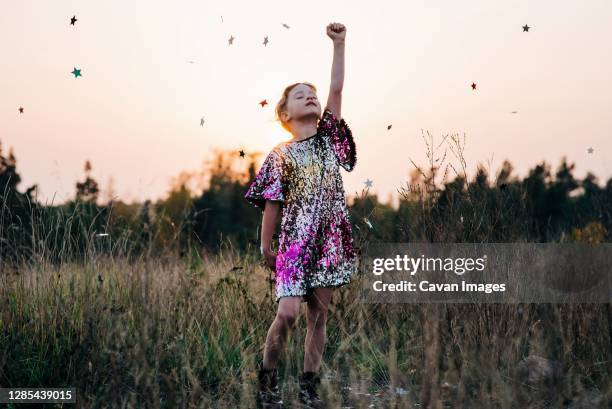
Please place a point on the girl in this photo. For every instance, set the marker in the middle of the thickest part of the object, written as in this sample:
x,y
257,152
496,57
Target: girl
x,y
301,180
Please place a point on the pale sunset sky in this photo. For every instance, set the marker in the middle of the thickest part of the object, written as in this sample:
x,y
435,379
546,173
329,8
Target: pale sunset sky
x,y
135,111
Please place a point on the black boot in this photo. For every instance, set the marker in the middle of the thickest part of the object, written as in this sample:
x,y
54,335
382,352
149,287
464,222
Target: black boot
x,y
268,391
309,382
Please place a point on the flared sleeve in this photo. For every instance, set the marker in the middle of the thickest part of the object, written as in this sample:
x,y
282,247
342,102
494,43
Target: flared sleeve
x,y
268,184
340,138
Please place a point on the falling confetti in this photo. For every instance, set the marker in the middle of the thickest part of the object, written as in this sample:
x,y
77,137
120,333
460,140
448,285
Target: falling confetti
x,y
525,28
242,153
368,183
388,127
263,103
101,234
191,62
222,19
473,85
366,221
21,110
202,121
265,42
286,26
77,73
73,20
514,112
231,40
590,150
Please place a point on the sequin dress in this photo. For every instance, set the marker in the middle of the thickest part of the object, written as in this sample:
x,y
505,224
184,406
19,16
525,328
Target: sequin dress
x,y
315,247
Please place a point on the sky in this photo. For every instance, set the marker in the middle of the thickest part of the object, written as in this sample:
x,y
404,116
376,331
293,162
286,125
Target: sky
x,y
135,110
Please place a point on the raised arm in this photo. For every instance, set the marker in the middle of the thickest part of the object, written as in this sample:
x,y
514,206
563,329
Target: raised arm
x,y
337,32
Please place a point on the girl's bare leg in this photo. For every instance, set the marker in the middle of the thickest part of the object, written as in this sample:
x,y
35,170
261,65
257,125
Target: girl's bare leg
x,y
286,315
316,317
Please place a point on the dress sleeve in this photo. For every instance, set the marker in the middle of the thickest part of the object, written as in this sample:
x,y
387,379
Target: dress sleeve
x,y
268,183
340,138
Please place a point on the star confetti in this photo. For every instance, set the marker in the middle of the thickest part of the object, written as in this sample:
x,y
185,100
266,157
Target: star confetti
x,y
222,19
231,40
590,150
202,121
21,110
286,26
366,221
514,112
265,42
263,103
191,62
242,153
368,183
388,127
473,85
525,28
76,73
73,20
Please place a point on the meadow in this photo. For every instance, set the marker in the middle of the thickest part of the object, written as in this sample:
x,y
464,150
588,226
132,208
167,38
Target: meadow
x,y
160,320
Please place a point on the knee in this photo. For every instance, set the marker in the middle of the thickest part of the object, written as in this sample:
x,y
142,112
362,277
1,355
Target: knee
x,y
287,318
317,318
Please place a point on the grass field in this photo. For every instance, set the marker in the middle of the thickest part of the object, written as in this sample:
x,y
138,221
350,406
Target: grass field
x,y
169,331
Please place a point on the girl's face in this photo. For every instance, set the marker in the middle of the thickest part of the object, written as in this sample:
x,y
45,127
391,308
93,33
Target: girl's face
x,y
302,102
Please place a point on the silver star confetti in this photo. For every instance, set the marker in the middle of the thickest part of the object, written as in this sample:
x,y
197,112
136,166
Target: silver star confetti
x,y
231,40
368,183
286,26
265,42
202,121
590,150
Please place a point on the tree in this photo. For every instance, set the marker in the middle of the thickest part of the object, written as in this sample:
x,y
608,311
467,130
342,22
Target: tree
x,y
87,191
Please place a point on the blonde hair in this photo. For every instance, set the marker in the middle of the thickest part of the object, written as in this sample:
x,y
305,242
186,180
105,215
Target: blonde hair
x,y
282,103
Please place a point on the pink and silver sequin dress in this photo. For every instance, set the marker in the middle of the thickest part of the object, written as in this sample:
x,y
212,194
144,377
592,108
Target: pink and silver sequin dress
x,y
315,243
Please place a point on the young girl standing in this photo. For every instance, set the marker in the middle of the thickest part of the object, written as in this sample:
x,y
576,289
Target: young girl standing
x,y
300,179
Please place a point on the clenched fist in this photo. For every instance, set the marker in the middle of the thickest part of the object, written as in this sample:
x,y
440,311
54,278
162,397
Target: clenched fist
x,y
336,31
